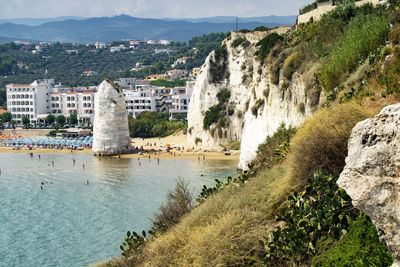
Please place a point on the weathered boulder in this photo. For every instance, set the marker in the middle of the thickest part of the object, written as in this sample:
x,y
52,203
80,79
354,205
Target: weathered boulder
x,y
371,176
110,127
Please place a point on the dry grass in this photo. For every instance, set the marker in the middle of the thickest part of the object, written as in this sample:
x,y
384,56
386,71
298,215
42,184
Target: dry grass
x,y
322,140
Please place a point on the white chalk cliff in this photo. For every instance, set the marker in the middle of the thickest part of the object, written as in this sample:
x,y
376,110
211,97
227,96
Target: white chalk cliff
x,y
259,105
110,127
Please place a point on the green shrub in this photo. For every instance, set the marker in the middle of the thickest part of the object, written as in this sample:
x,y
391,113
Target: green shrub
x,y
291,64
234,145
259,104
223,96
359,247
270,152
133,245
254,110
321,210
277,65
266,44
218,111
301,108
261,29
197,140
211,116
244,78
238,41
218,64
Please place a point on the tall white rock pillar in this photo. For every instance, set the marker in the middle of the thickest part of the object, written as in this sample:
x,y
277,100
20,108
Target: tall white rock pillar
x,y
110,129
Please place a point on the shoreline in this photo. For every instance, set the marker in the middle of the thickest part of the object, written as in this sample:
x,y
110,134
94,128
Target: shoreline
x,y
144,155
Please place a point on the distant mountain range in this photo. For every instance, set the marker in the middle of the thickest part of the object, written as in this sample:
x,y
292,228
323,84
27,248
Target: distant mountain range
x,y
107,29
39,21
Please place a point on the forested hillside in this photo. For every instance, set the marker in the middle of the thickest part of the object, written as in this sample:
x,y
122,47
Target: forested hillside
x,y
19,65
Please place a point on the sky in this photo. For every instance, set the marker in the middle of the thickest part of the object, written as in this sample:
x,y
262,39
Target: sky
x,y
148,8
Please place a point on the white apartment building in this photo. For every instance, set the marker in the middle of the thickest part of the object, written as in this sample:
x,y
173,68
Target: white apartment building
x,y
28,100
180,100
79,102
140,99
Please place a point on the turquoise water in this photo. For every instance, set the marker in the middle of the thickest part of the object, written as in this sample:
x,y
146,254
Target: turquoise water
x,y
70,223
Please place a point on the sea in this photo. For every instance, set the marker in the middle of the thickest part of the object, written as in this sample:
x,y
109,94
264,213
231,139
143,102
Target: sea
x,y
78,211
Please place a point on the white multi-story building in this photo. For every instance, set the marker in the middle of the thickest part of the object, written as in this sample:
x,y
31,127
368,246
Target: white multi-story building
x,y
79,102
28,100
140,99
180,100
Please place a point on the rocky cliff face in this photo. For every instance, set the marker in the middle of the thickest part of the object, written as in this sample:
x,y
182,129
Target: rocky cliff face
x,y
371,176
110,129
256,107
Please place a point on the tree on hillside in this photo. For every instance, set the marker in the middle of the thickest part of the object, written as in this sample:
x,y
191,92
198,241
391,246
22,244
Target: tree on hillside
x,y
6,117
73,119
50,119
60,120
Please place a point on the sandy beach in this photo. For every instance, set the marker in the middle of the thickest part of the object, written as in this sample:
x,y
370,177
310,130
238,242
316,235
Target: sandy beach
x,y
180,148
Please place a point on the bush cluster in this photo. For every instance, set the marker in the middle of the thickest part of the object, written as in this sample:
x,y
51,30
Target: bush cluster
x,y
359,247
218,112
152,124
275,147
240,41
218,64
321,210
291,64
266,44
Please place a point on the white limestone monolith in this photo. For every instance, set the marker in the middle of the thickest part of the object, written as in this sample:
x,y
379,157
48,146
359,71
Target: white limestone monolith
x,y
110,127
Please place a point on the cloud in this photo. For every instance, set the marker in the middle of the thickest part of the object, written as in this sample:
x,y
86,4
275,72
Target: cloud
x,y
148,8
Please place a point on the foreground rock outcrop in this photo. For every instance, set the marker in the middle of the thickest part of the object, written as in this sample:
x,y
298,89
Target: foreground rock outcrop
x,y
371,176
110,129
